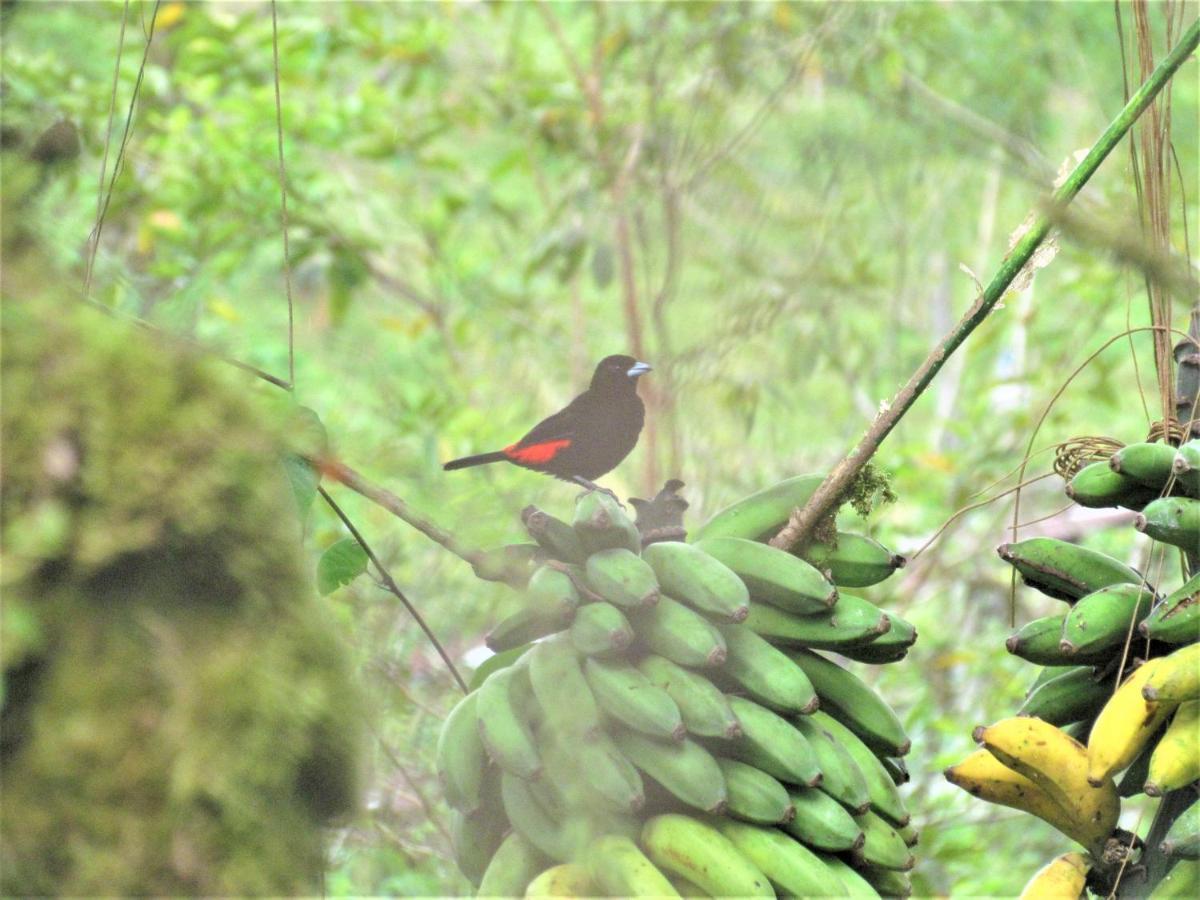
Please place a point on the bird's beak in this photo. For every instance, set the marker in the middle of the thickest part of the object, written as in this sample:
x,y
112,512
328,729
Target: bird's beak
x,y
639,369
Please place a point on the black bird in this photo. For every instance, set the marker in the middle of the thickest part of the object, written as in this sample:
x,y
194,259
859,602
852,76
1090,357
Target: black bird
x,y
588,437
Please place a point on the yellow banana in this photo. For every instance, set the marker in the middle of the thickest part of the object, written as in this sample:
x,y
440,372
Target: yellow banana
x,y
565,880
984,776
1177,678
1058,764
1125,724
1175,761
1060,879
619,868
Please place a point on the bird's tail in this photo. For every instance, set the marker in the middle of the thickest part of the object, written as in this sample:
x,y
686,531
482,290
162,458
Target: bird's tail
x,y
478,460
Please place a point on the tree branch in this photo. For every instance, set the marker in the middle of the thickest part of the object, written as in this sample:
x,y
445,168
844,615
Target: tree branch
x,y
802,521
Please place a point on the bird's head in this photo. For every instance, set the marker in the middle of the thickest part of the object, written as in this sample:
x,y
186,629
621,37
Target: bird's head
x,y
618,370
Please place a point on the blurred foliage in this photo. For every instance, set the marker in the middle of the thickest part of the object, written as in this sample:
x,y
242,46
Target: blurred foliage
x,y
772,202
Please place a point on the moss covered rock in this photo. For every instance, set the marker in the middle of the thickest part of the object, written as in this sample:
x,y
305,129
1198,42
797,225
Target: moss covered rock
x,y
177,714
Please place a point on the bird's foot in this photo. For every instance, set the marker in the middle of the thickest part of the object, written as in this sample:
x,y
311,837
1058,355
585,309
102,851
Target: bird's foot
x,y
592,486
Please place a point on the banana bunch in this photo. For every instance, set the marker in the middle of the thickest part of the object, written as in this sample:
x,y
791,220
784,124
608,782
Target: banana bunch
x,y
666,718
1115,710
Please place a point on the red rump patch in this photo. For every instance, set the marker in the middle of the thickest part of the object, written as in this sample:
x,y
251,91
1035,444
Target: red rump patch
x,y
536,454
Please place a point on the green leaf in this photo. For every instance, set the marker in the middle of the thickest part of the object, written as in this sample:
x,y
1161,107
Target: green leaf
x,y
340,564
303,478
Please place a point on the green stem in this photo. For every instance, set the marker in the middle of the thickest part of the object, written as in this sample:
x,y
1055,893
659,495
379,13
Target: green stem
x,y
827,496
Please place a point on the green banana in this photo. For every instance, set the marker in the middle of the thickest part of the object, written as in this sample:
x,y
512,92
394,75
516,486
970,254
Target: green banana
x,y
841,777
1039,641
1183,837
460,756
857,887
794,869
1064,570
622,577
679,633
821,822
1071,696
888,882
1104,619
1047,673
847,698
1176,620
765,672
852,622
631,698
620,869
898,769
755,796
601,523
562,690
684,768
494,663
600,629
910,835
698,852
1172,520
1147,464
1183,880
885,796
853,560
891,646
1186,467
882,847
700,580
1175,762
514,864
542,826
762,512
772,575
474,839
773,744
1097,486
551,587
503,726
705,710
593,769
563,880
553,535
527,624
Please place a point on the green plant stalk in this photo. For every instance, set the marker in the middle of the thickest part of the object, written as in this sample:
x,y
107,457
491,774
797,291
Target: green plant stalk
x,y
802,521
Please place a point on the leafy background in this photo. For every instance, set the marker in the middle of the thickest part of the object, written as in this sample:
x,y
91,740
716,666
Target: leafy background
x,y
779,205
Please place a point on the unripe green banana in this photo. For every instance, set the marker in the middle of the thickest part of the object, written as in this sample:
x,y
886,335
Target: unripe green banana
x,y
503,722
1175,762
792,868
622,577
1183,881
460,756
773,744
1105,619
563,880
620,869
474,839
1172,520
679,633
553,535
857,887
1176,620
561,689
1072,696
689,574
705,710
1186,467
601,523
600,629
543,827
1046,674
1064,570
772,575
631,698
1097,486
494,663
821,822
764,511
841,777
1183,837
883,847
584,772
1147,464
765,672
885,796
684,768
888,882
515,863
698,852
891,646
1039,641
528,624
898,769
551,586
857,622
755,796
853,560
846,697
910,835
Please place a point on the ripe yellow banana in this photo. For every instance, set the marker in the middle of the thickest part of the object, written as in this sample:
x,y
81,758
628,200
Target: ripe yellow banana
x,y
1177,677
1125,724
1175,761
1058,764
984,776
1062,878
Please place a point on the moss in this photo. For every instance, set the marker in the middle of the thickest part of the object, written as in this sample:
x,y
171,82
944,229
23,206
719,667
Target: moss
x,y
177,716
